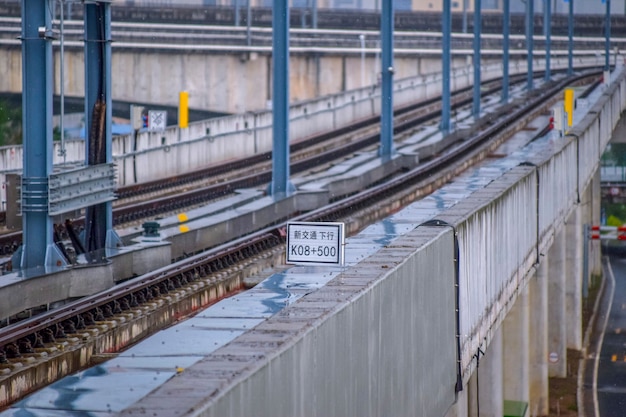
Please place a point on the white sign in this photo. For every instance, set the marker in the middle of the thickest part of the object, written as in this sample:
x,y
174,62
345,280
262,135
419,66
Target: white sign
x,y
315,243
157,120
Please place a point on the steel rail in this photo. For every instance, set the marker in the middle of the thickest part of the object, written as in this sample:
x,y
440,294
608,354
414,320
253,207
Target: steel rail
x,y
22,337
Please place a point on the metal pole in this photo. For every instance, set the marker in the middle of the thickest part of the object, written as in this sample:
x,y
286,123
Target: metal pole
x,y
362,39
506,33
280,185
607,29
38,248
547,29
477,31
248,24
445,56
62,151
464,15
236,4
570,35
530,12
386,128
99,233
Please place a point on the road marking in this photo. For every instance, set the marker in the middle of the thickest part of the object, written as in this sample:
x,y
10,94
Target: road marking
x,y
596,405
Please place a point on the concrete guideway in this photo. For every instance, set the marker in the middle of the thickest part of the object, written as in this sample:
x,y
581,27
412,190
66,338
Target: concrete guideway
x,y
327,351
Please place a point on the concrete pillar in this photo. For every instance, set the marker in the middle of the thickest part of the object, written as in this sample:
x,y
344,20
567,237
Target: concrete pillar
x,y
573,292
557,315
593,192
515,355
485,388
538,340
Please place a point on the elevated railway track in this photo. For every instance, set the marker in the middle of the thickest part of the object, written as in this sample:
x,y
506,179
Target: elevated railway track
x,y
335,18
83,330
145,201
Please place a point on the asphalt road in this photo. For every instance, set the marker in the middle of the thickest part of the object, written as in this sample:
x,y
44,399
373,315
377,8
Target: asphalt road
x,y
608,370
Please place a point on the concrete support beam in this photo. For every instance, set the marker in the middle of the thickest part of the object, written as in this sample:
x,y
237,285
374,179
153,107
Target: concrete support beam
x,y
515,355
574,254
538,340
557,314
593,194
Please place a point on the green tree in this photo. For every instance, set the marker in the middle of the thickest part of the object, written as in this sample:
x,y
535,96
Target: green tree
x,y
10,124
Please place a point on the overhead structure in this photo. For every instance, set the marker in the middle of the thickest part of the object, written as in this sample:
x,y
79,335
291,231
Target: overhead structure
x,y
607,34
547,31
38,248
530,29
506,36
445,65
99,234
477,31
47,193
280,185
570,36
386,123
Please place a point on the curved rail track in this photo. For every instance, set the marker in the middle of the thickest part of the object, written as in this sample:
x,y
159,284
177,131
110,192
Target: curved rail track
x,y
226,178
173,290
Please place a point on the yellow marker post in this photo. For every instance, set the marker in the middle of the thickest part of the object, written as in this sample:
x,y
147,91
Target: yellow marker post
x,y
569,106
183,109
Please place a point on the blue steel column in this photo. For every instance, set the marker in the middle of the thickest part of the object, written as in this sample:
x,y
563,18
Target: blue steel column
x,y
314,17
530,28
477,31
38,247
506,36
570,35
446,67
280,185
99,233
607,33
386,125
547,30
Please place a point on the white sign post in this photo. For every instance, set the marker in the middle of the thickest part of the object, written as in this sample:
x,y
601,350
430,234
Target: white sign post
x,y
311,243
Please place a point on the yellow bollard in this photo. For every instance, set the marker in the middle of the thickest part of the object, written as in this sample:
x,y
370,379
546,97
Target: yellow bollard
x,y
569,106
183,109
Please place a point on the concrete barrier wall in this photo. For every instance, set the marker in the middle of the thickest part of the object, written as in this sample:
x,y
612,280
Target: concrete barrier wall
x,y
500,229
350,358
516,217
